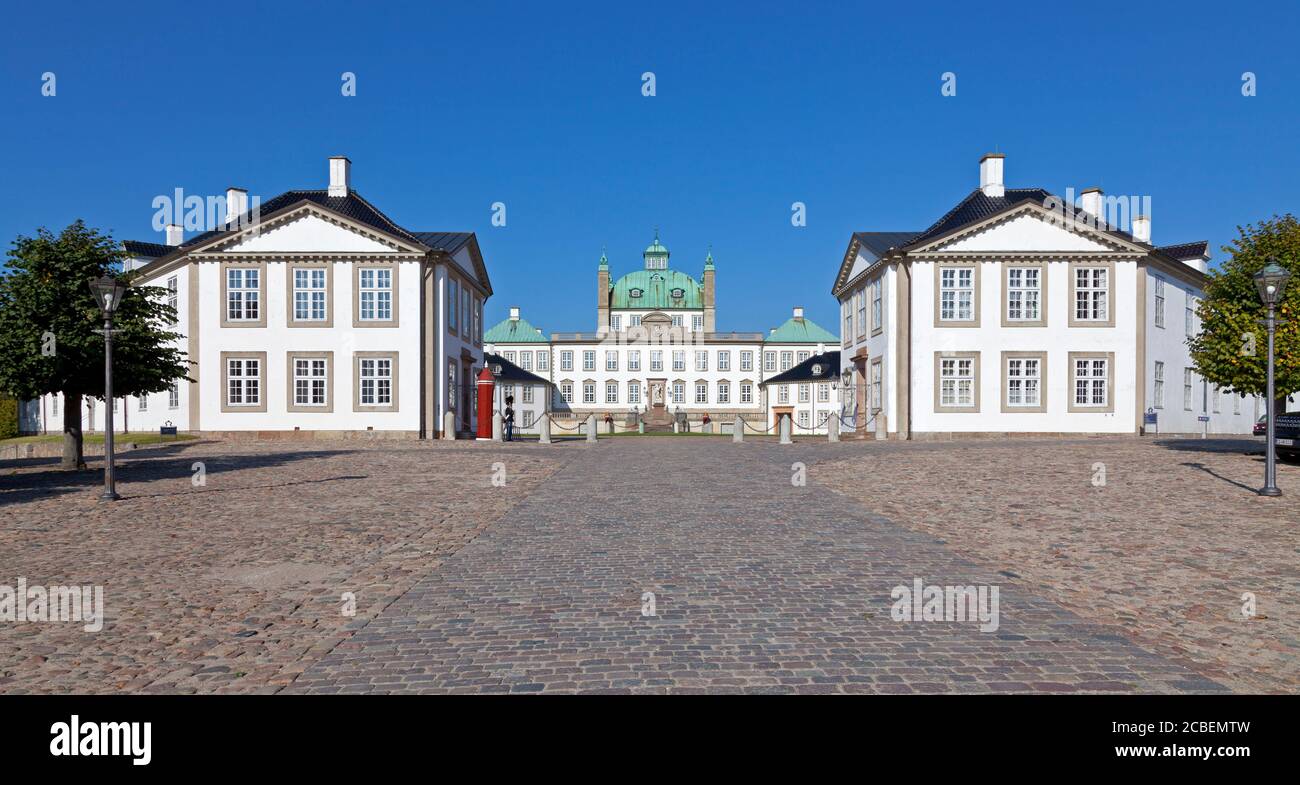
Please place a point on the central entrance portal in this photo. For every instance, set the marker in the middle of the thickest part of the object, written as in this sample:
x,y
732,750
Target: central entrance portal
x,y
657,395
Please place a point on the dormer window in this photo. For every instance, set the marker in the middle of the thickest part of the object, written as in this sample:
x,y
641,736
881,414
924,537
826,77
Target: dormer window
x,y
678,293
634,293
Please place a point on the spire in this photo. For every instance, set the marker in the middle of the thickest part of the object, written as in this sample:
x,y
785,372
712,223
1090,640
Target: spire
x,y
708,260
604,262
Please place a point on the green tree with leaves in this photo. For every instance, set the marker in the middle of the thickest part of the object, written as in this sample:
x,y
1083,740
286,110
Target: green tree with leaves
x,y
48,323
1231,350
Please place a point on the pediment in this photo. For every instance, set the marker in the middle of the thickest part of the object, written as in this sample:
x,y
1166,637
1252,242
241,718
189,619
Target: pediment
x,y
310,231
1029,230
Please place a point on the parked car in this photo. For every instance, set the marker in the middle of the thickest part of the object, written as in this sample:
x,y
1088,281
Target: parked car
x,y
1261,426
1286,435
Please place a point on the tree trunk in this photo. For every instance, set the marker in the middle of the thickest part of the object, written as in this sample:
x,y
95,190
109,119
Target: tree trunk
x,y
73,457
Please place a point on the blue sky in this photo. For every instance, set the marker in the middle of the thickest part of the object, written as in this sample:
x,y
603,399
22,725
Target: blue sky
x,y
758,106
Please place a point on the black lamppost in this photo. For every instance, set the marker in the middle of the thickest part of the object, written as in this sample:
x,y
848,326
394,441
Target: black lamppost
x,y
1271,282
108,293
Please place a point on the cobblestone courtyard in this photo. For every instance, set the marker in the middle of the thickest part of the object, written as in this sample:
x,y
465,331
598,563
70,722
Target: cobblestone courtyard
x,y
759,584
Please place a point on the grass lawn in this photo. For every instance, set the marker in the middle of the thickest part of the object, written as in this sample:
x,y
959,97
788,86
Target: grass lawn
x,y
98,438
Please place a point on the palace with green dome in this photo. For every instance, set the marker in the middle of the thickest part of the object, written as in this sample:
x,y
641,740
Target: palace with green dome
x,y
656,350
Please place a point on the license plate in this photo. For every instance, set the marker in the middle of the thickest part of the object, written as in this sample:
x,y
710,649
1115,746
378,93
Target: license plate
x,y
1284,442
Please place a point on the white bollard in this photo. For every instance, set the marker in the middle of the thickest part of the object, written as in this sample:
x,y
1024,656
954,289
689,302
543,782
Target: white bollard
x,y
833,428
591,427
676,427
544,430
738,430
785,429
449,426
882,432
497,427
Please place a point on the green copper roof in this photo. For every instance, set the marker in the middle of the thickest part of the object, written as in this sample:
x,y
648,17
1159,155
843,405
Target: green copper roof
x,y
708,260
656,247
514,331
801,331
656,290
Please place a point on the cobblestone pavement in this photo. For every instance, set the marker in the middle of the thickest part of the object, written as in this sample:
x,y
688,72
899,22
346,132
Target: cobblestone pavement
x,y
759,585
236,585
1164,550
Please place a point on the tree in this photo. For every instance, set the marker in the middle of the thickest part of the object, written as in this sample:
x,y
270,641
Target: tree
x,y
1231,350
48,319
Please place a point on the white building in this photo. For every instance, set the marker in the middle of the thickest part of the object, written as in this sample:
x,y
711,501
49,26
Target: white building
x,y
1017,312
322,315
656,350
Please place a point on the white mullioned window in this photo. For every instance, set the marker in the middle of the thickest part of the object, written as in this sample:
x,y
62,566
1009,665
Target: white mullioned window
x,y
309,294
679,392
746,361
173,396
957,294
634,320
242,293
803,418
697,322
611,360
634,360
701,361
769,361
679,359
589,360
376,377
1160,302
588,392
566,392
1024,377
877,312
1090,380
1189,316
846,313
376,295
724,392
566,360
787,360
242,381
1024,291
527,391
544,360
783,393
805,394
634,392
1091,294
142,403
701,392
509,356
860,299
823,393
1158,389
611,392
1187,389
309,381
526,360
746,392
172,290
616,322
803,356
876,381
957,381
656,360
677,320
724,361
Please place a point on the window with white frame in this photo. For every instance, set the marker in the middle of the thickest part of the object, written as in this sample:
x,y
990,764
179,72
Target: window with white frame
x,y
526,360
527,391
242,293
544,360
243,377
375,374
1091,294
588,392
611,360
701,392
1158,388
803,418
616,322
1024,292
746,361
611,392
957,294
679,359
1214,398
634,320
566,392
957,381
846,311
1189,316
724,360
701,361
656,360
787,360
1236,403
746,392
697,322
509,356
783,393
677,320
1024,380
803,356
142,403
173,396
877,311
1091,379
453,383
634,359
679,392
823,392
769,361
860,299
589,360
309,381
1160,302
376,294
876,381
805,395
634,392
1187,389
528,415
172,290
724,392
309,294
566,360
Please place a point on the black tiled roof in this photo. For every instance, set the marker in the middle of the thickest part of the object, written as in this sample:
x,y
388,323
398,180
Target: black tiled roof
x,y
879,243
1184,251
976,207
145,249
511,373
447,242
803,372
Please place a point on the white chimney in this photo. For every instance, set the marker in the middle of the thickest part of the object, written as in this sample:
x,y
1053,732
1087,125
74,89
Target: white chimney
x,y
991,174
1090,203
798,312
1200,263
514,314
1142,228
340,176
175,234
236,203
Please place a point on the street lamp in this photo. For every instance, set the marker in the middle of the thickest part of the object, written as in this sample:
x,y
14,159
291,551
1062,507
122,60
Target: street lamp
x,y
1271,282
108,293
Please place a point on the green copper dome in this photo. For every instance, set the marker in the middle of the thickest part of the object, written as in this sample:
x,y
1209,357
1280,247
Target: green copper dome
x,y
514,331
655,289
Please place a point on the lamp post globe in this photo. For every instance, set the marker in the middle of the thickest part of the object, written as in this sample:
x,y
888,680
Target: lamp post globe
x,y
108,291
